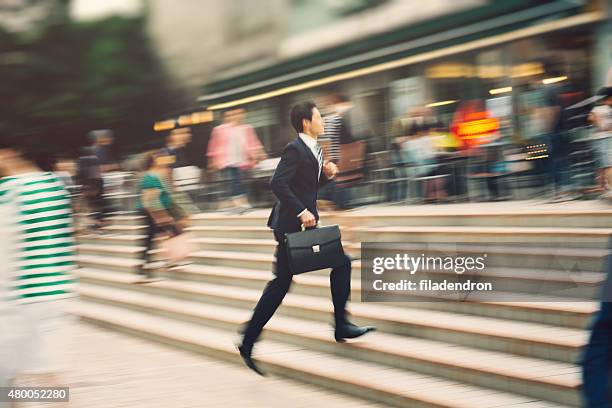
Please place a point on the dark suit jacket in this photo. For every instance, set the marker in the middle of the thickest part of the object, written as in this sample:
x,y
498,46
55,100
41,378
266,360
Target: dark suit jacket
x,y
295,184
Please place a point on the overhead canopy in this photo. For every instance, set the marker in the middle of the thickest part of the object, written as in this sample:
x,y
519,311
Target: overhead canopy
x,y
498,22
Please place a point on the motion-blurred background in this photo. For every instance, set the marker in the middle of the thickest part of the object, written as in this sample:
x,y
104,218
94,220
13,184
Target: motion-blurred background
x,y
457,102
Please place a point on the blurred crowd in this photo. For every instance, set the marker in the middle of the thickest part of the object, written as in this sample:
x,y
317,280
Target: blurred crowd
x,y
475,157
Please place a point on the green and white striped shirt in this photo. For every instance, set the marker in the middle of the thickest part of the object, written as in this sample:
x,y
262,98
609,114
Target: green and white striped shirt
x,y
39,225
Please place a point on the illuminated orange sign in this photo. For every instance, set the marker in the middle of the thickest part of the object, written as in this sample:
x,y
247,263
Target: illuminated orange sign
x,y
194,118
473,125
477,128
164,125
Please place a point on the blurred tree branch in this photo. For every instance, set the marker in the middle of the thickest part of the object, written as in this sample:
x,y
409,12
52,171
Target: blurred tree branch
x,y
73,77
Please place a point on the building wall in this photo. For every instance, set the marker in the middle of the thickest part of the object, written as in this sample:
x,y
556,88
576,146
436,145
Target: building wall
x,y
202,41
387,16
602,70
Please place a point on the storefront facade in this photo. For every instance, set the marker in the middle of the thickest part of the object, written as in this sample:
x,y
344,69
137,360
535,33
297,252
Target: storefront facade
x,y
498,61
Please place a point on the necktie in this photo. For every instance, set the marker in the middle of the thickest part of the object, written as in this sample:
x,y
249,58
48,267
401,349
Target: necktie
x,y
319,157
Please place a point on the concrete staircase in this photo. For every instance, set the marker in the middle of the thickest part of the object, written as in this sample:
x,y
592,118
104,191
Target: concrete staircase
x,y
425,353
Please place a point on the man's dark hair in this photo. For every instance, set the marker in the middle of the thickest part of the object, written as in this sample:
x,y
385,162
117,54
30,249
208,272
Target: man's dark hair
x,y
299,112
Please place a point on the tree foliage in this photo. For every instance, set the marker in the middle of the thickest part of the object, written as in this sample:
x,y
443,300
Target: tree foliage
x,y
75,77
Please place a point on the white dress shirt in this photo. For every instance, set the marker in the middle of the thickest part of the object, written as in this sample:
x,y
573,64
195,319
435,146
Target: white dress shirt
x,y
310,142
312,145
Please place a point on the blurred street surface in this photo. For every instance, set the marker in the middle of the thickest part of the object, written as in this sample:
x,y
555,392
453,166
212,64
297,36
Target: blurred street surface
x,y
110,369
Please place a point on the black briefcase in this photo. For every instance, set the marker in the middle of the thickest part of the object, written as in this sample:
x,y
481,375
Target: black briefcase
x,y
314,249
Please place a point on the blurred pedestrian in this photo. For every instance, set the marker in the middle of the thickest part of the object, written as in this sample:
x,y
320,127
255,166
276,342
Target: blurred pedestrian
x,y
176,147
64,169
401,132
422,116
101,143
601,118
89,177
494,169
597,358
401,127
338,135
420,151
233,149
37,230
183,174
597,366
156,205
543,121
9,317
337,126
95,160
534,124
557,99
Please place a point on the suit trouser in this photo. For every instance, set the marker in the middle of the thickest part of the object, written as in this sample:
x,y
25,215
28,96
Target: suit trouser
x,y
277,288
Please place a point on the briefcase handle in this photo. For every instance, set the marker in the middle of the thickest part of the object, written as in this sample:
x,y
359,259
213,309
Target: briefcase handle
x,y
304,228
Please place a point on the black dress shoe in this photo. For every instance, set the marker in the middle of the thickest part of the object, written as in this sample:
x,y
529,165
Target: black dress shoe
x,y
246,356
351,331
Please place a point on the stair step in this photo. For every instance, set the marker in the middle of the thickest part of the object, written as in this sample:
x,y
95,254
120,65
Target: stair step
x,y
580,259
571,284
265,261
371,381
606,232
240,232
515,255
589,253
575,237
110,263
125,229
251,260
511,373
235,244
111,239
126,220
550,310
118,250
258,218
521,338
443,215
539,283
523,214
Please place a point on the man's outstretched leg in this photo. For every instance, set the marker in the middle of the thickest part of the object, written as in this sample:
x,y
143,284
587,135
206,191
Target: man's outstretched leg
x,y
270,300
340,283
